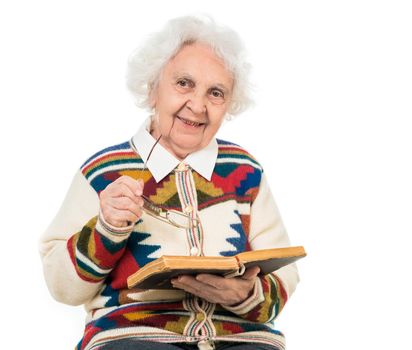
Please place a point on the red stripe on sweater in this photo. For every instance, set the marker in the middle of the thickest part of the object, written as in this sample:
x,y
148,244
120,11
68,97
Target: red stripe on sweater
x,y
233,180
126,267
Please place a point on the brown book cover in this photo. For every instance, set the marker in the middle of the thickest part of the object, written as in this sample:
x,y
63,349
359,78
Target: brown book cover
x,y
158,273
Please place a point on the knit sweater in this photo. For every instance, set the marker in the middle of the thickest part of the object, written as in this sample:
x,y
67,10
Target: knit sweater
x,y
87,261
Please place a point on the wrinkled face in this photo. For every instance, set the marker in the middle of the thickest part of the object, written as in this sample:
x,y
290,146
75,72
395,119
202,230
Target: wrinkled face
x,y
191,99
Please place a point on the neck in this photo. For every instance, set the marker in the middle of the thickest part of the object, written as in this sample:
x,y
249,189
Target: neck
x,y
179,154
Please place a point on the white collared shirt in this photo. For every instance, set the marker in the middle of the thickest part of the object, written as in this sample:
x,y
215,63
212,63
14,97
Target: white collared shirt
x,y
162,162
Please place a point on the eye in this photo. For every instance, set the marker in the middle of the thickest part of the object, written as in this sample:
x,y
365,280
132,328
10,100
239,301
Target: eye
x,y
184,83
217,94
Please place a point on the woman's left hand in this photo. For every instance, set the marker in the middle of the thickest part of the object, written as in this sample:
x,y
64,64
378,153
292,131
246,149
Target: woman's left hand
x,y
217,289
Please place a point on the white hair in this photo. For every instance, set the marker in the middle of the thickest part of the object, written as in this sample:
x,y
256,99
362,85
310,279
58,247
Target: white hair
x,y
147,62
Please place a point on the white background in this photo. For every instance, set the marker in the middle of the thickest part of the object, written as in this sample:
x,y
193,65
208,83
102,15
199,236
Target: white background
x,y
331,126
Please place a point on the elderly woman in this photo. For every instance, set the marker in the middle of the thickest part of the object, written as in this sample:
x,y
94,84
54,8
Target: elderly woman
x,y
218,203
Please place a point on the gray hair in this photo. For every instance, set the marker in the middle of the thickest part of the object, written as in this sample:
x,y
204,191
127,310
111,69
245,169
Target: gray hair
x,y
147,62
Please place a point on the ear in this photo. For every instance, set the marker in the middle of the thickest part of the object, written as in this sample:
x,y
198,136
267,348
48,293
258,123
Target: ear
x,y
152,96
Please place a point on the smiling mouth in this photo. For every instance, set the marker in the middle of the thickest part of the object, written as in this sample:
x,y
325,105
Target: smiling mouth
x,y
190,122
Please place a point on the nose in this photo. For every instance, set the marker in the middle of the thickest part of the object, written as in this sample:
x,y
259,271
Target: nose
x,y
196,103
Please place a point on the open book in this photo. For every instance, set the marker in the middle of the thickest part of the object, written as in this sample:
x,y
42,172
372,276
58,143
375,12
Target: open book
x,y
158,273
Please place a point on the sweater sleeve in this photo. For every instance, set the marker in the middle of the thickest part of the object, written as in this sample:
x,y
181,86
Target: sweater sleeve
x,y
79,249
273,290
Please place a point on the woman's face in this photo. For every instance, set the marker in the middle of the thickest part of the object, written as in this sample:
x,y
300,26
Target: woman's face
x,y
191,99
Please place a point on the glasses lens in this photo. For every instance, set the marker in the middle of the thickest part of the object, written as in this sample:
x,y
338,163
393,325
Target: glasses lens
x,y
181,220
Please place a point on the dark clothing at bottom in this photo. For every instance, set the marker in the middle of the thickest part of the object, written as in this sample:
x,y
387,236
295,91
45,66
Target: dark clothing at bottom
x,y
130,344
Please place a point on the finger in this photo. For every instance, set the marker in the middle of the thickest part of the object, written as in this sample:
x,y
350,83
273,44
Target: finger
x,y
188,282
217,282
136,186
251,273
120,190
119,218
125,203
124,188
233,289
211,294
194,287
226,283
189,289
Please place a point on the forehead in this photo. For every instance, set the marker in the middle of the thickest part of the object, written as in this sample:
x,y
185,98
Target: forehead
x,y
200,62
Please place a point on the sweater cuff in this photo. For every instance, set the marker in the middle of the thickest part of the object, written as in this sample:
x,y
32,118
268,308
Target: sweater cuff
x,y
116,234
255,299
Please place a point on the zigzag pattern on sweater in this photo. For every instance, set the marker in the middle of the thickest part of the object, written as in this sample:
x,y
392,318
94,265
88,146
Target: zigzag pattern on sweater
x,y
236,172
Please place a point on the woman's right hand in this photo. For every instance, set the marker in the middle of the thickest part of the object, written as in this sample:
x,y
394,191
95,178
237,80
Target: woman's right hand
x,y
121,202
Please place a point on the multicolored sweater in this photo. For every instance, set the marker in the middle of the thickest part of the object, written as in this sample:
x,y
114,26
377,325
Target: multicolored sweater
x,y
87,261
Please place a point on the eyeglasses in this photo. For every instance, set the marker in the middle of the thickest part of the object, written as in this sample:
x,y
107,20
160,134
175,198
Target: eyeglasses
x,y
172,217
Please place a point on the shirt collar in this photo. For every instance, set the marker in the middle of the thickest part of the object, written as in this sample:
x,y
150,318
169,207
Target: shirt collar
x,y
162,162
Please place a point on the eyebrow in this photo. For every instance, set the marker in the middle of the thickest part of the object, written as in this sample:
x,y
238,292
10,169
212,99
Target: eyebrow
x,y
185,75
